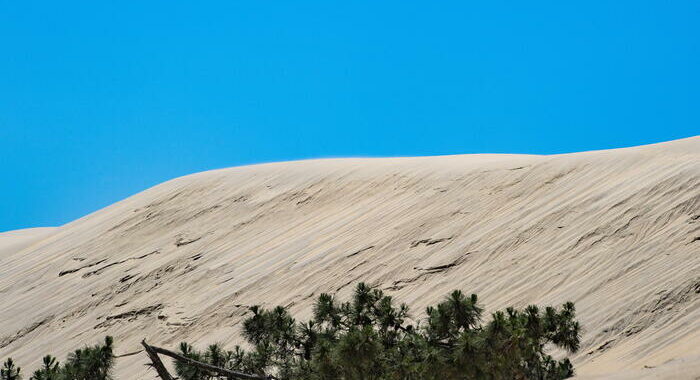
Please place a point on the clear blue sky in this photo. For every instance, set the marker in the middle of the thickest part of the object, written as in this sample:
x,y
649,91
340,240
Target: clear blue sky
x,y
100,100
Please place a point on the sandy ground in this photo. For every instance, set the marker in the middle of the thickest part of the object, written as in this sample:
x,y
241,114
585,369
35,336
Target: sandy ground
x,y
617,232
15,241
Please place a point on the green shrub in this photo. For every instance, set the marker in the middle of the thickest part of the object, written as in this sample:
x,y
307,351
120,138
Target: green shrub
x,y
50,370
370,338
88,363
9,371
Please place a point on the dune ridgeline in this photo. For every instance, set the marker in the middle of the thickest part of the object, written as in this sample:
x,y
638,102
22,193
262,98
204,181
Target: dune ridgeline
x,y
617,232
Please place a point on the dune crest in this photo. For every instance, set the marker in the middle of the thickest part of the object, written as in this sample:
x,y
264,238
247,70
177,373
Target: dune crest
x,y
616,231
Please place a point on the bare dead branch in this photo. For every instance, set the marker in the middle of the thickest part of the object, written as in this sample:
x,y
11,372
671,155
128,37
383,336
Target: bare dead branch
x,y
157,363
205,366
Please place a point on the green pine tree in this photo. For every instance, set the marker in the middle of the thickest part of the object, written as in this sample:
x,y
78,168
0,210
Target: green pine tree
x,y
9,371
369,338
50,370
90,363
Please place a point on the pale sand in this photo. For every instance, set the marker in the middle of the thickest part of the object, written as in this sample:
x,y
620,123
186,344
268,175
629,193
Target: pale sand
x,y
17,240
614,231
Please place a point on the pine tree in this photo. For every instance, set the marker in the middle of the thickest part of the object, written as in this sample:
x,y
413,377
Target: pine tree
x,y
9,371
49,371
90,363
369,338
187,372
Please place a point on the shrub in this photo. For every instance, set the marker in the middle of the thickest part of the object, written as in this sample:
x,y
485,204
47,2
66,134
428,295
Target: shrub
x,y
88,363
9,371
50,370
370,338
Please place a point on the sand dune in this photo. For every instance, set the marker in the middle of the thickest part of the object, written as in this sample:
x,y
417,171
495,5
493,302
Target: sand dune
x,y
15,241
617,232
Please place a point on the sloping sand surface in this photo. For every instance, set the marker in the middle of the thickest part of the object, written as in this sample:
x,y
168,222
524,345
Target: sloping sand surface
x,y
15,241
617,232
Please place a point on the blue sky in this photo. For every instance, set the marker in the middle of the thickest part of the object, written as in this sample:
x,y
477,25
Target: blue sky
x,y
100,100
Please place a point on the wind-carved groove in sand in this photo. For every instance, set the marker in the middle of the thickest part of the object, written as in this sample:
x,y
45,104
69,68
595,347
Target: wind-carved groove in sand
x,y
69,271
180,241
600,234
6,341
129,316
430,241
102,269
667,303
429,271
603,233
360,251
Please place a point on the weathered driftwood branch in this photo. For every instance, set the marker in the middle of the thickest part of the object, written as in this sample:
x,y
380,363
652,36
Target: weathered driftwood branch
x,y
157,363
205,366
